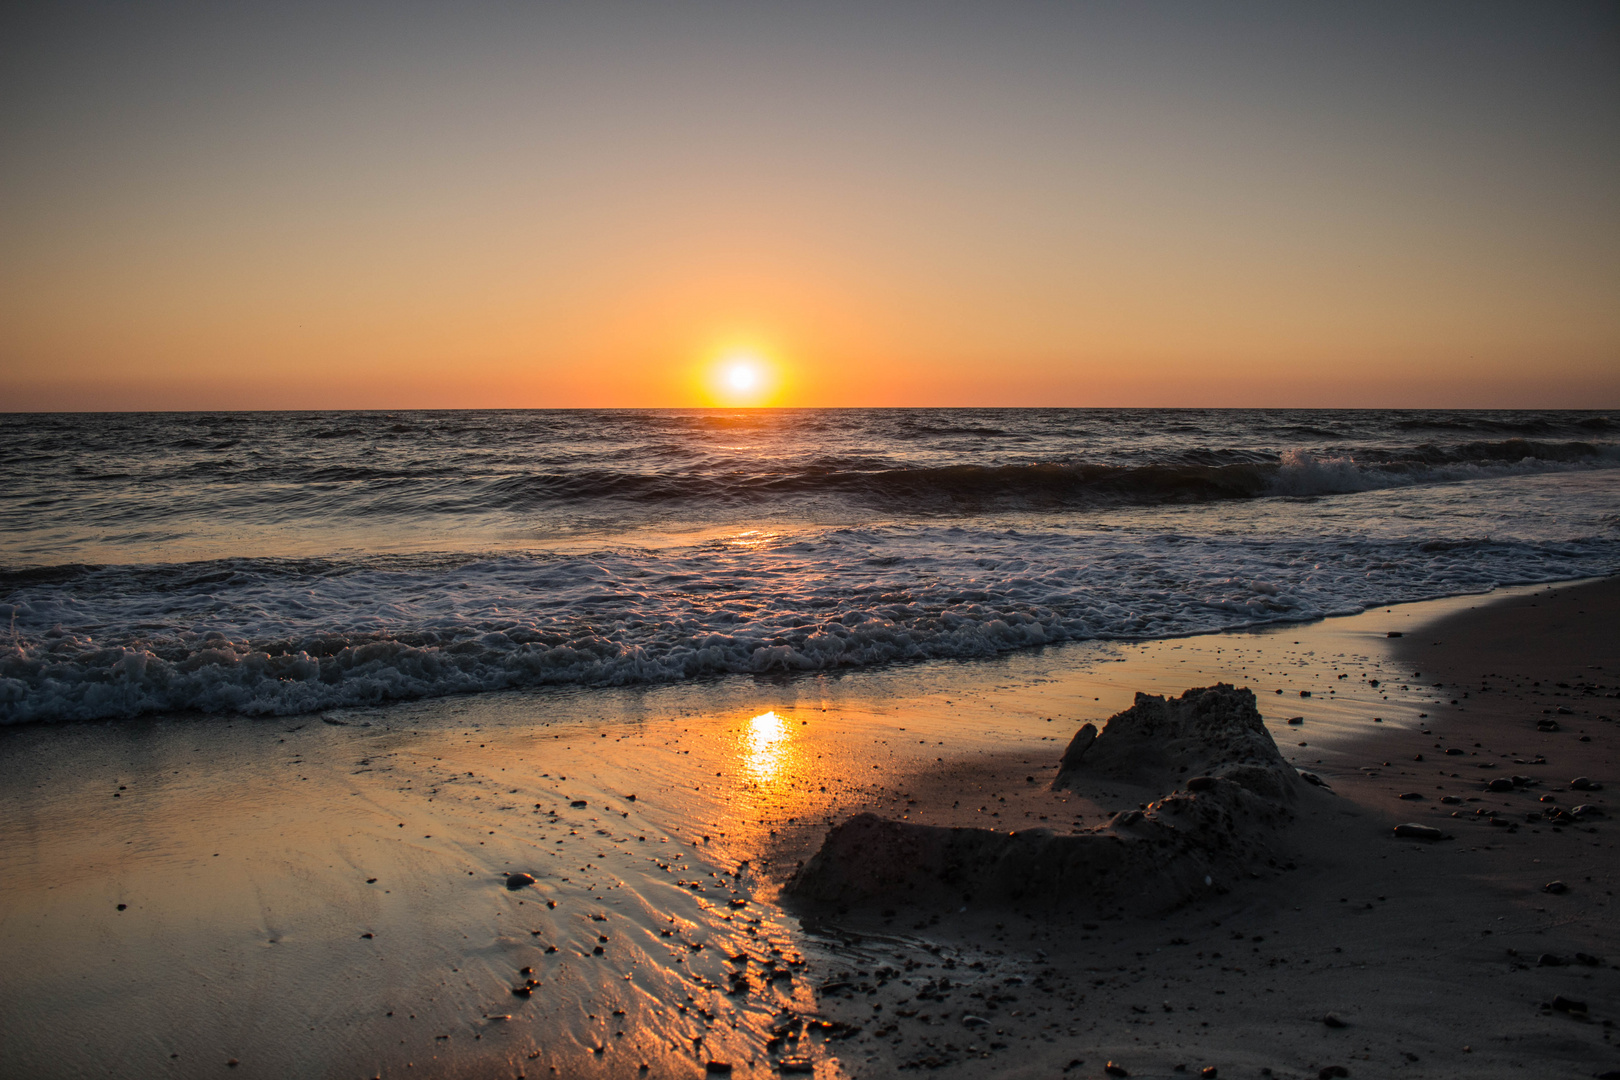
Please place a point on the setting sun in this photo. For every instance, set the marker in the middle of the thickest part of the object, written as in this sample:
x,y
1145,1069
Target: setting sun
x,y
742,376
742,379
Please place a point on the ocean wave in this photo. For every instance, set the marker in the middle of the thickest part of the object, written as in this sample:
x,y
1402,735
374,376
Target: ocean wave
x,y
1200,476
280,636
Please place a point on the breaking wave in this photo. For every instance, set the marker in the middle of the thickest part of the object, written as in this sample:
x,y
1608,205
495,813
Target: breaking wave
x,y
265,636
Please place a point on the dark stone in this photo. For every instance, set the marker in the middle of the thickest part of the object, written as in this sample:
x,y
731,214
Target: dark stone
x,y
1333,1020
1451,800
518,881
1412,796
1547,725
1557,888
1210,1072
1548,959
1332,1071
1501,783
1411,830
1454,751
1113,1068
1312,778
1202,783
1581,783
1296,720
121,907
718,1068
578,804
1568,1005
1393,633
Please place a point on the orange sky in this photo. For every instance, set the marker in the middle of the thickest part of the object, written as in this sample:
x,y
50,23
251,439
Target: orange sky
x,y
1007,205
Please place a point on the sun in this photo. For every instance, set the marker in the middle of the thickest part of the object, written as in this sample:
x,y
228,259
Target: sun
x,y
742,378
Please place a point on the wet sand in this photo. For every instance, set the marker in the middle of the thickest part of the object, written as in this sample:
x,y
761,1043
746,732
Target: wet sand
x,y
327,895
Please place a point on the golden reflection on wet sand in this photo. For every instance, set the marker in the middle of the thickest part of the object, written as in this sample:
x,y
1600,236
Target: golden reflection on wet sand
x,y
769,744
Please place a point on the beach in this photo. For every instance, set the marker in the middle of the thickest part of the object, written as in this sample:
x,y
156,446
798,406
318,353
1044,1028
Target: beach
x,y
647,542
329,894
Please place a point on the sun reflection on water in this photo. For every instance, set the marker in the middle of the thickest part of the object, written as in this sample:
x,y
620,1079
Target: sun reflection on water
x,y
768,738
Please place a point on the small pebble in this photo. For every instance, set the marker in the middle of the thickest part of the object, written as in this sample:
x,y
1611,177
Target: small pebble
x,y
518,881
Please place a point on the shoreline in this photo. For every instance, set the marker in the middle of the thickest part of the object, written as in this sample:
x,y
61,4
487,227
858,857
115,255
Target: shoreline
x,y
301,812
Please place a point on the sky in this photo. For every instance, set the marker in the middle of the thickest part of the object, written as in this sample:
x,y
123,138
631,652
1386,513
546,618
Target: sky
x,y
396,205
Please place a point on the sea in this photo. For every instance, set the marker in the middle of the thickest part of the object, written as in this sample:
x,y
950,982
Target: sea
x,y
282,562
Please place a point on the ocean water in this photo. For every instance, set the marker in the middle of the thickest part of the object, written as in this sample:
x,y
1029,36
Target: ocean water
x,y
277,563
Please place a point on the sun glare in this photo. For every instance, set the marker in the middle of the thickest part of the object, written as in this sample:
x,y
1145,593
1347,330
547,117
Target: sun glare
x,y
743,378
767,745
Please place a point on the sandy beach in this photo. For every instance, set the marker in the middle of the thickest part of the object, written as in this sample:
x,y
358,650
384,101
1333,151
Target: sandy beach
x,y
331,895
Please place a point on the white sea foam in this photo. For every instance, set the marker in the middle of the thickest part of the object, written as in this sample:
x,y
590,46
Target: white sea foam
x,y
271,636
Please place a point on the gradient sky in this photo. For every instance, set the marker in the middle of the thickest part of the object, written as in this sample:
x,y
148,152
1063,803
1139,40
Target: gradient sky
x,y
216,205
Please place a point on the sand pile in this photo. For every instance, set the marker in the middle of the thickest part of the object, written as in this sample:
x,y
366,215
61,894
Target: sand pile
x,y
1224,814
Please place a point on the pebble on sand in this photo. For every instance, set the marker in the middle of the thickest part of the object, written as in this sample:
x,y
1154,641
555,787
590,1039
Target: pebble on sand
x,y
1557,888
518,881
1334,1020
1411,830
1581,783
1113,1068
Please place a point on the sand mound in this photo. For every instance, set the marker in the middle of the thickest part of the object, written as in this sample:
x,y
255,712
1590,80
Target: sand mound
x,y
1159,742
1224,818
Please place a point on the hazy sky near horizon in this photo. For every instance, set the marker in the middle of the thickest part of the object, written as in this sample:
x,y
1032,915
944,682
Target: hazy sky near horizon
x,y
549,204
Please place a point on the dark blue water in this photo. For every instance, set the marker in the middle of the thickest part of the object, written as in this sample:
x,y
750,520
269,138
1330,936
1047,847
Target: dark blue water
x,y
281,562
